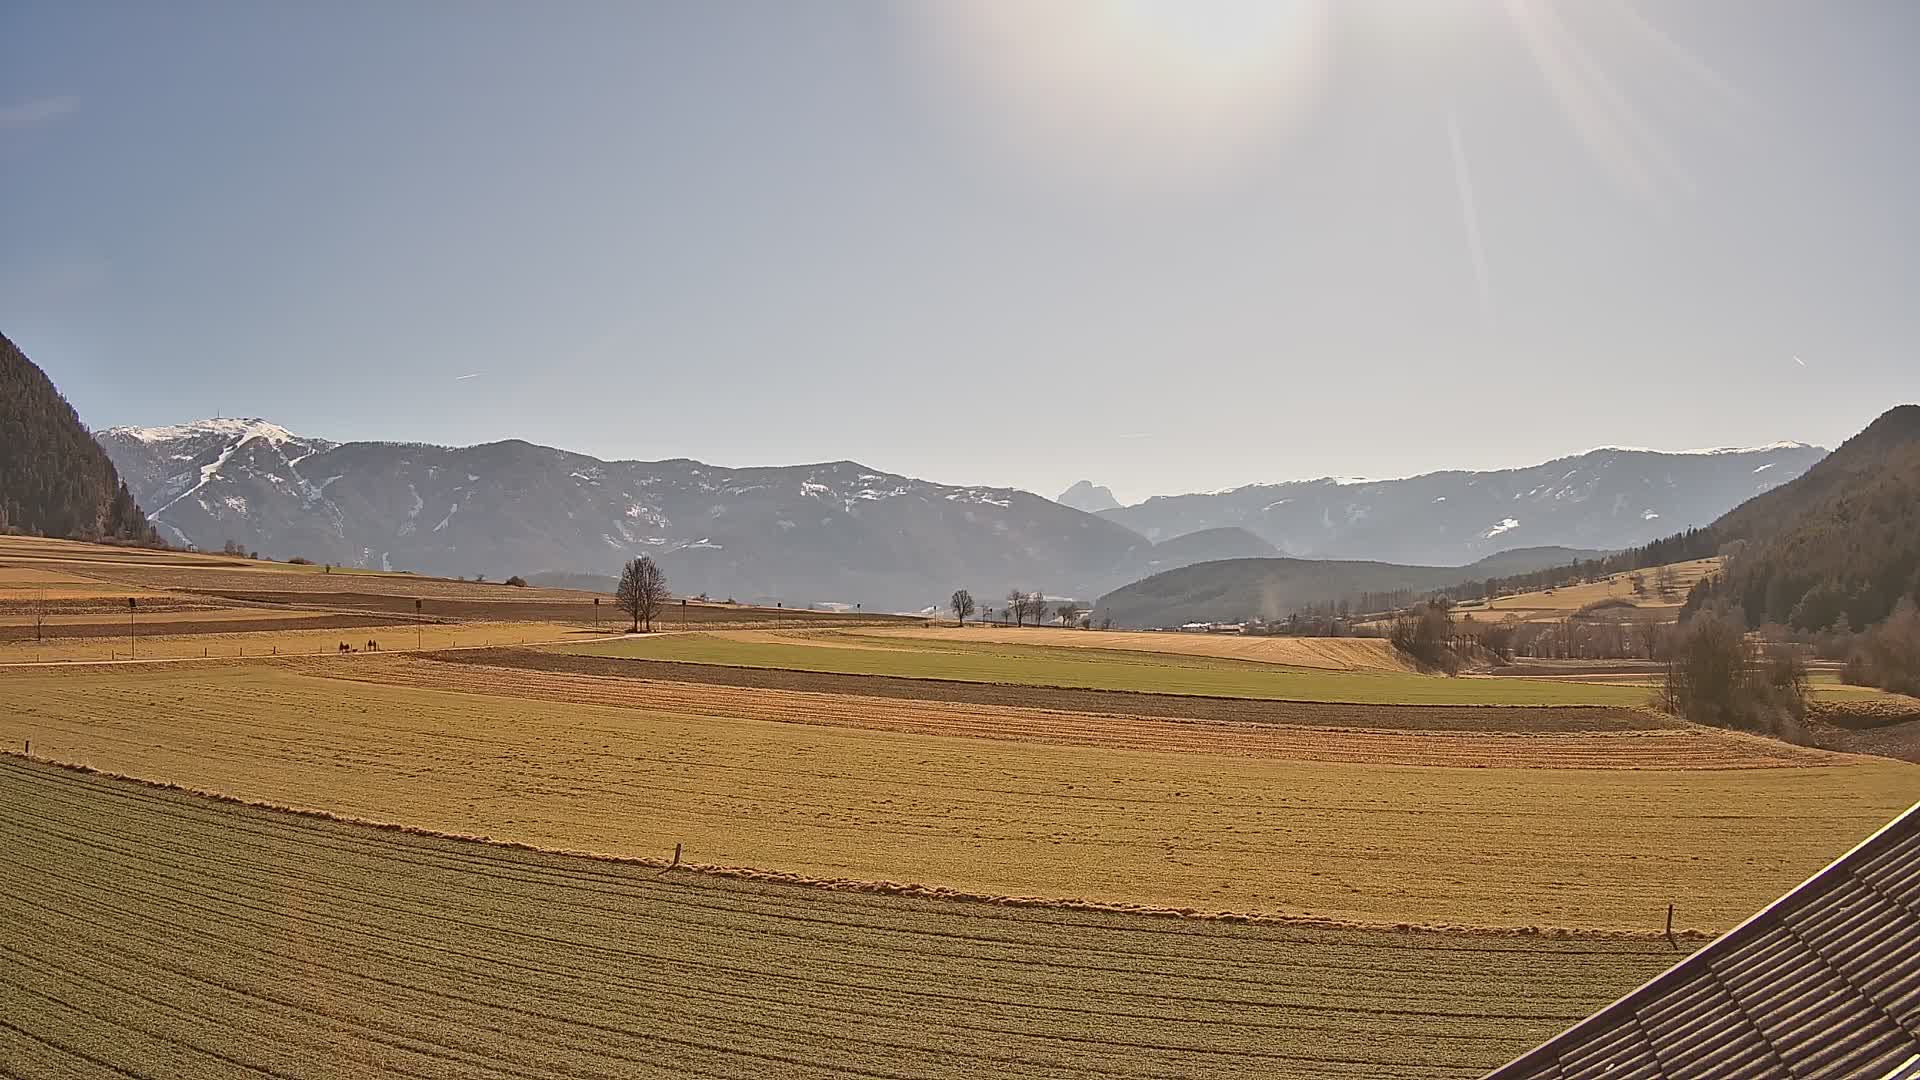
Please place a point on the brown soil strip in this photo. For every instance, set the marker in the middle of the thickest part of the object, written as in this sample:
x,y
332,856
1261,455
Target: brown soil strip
x,y
1495,718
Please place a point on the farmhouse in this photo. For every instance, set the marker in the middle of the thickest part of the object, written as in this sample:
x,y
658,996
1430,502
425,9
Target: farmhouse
x,y
1825,981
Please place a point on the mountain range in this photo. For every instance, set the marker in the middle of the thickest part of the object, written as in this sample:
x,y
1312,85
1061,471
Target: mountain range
x,y
800,534
842,532
1603,499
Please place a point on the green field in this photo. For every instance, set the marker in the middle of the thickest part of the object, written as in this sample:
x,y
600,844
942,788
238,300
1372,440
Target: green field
x,y
1103,669
154,933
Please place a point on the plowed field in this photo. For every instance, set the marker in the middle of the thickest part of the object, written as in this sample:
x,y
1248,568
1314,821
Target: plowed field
x,y
153,933
1372,843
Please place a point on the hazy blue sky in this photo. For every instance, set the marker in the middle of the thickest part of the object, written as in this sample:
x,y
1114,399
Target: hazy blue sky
x,y
1168,246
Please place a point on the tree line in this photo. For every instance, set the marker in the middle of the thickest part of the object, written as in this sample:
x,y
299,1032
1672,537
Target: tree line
x,y
1021,607
54,479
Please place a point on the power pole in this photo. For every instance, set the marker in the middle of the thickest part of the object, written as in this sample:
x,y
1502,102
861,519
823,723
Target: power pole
x,y
130,627
419,628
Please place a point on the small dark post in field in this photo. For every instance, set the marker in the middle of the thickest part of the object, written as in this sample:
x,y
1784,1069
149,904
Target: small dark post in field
x,y
29,750
129,627
1670,941
676,856
419,629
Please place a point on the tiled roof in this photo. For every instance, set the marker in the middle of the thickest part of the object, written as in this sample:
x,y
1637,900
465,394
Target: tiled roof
x,y
1823,982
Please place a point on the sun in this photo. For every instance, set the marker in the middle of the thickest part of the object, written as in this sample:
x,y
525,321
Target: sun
x,y
1142,89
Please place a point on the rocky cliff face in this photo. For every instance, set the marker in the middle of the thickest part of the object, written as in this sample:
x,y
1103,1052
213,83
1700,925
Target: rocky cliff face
x,y
1086,496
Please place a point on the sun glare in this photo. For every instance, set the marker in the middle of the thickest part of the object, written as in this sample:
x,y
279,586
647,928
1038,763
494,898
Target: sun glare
x,y
1149,90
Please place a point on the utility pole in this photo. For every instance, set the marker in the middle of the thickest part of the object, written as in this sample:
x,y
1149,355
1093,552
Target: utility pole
x,y
419,628
129,627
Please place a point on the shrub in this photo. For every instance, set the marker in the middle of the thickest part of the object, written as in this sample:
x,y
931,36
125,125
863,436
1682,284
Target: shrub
x,y
517,581
1424,633
1611,603
301,560
1716,676
1887,655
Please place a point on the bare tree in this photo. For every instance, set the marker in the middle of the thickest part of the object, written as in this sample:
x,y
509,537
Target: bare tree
x,y
40,614
1639,582
642,591
1036,607
1069,613
1106,621
962,605
1017,606
1666,580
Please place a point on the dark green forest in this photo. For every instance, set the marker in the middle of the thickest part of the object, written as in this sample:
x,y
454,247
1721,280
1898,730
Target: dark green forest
x,y
54,479
1840,544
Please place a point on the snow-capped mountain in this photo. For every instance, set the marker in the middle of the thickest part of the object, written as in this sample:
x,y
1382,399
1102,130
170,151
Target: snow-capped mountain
x,y
801,534
1603,499
843,532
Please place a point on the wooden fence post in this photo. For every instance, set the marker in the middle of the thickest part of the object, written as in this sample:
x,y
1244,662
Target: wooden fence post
x,y
1670,941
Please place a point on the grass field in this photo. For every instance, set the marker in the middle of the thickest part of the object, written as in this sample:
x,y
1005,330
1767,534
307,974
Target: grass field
x,y
148,932
1336,654
865,653
1490,846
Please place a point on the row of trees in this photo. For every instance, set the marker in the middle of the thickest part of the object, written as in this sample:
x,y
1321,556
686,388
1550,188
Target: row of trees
x,y
1022,607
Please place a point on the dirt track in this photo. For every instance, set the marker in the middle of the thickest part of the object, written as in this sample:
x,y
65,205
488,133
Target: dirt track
x,y
1185,706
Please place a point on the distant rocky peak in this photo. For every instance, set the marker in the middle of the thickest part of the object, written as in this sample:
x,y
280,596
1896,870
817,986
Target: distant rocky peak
x,y
1088,497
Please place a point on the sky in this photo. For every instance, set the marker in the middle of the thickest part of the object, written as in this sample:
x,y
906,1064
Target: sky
x,y
1167,246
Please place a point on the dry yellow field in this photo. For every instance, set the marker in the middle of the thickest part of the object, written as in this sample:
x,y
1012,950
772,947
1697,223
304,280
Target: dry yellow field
x,y
1372,843
392,638
1337,654
1555,744
118,568
147,932
1559,603
238,617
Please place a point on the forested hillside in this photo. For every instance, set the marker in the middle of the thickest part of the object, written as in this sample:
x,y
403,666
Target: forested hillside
x,y
54,479
1842,540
